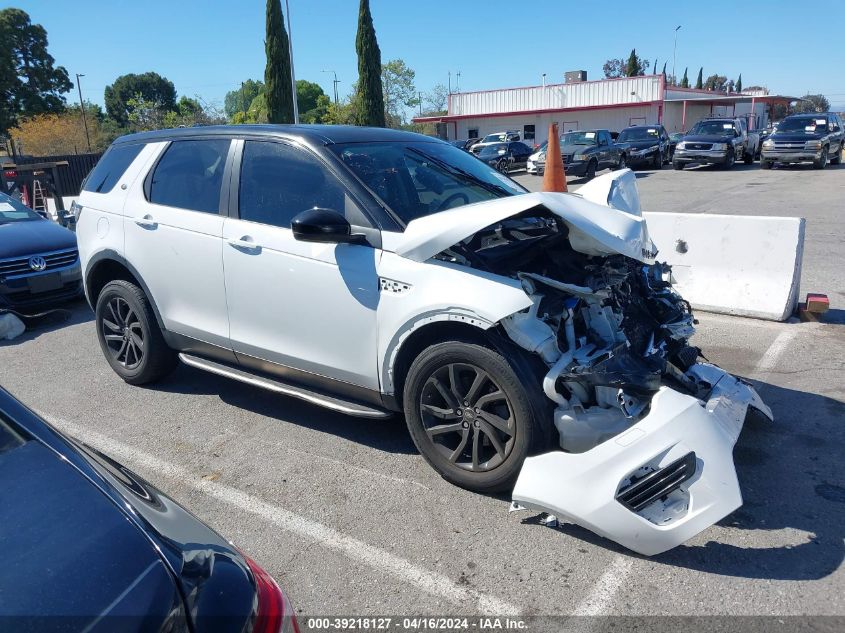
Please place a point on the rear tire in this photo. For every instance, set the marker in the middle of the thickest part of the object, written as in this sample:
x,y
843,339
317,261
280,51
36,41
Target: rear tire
x,y
479,410
129,334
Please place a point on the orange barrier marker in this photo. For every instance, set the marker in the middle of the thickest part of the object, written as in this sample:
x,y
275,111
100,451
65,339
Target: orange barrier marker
x,y
554,176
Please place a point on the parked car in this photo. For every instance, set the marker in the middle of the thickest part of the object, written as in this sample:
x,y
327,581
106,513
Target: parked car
x,y
805,138
372,271
90,546
584,153
717,141
39,261
532,165
645,144
674,139
505,157
496,137
465,144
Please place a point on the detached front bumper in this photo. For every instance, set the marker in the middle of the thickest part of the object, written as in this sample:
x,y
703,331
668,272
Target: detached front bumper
x,y
683,444
711,157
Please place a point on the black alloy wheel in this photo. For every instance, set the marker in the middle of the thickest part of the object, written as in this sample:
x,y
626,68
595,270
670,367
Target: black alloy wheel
x,y
502,166
729,160
657,161
622,162
123,333
821,163
467,417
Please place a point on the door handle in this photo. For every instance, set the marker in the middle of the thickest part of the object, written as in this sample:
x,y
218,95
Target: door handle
x,y
246,243
147,222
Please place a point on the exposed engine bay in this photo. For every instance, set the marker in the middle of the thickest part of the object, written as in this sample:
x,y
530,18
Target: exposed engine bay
x,y
611,329
646,426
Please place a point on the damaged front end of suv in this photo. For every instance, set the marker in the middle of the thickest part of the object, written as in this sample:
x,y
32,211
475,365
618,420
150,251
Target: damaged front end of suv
x,y
646,429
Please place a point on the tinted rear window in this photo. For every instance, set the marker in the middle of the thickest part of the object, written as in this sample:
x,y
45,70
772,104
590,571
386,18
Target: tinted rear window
x,y
111,167
190,175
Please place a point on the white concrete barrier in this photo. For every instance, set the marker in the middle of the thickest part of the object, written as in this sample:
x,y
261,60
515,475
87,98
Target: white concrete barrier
x,y
732,264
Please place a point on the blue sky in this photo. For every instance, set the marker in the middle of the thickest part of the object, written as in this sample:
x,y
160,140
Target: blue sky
x,y
208,47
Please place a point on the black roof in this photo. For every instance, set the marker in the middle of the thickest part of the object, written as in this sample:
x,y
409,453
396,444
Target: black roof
x,y
320,134
634,127
807,115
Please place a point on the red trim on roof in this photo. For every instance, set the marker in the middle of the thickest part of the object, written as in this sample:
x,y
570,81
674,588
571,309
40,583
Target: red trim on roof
x,y
457,117
591,81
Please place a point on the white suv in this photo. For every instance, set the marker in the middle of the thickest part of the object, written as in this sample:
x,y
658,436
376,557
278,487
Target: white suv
x,y
530,340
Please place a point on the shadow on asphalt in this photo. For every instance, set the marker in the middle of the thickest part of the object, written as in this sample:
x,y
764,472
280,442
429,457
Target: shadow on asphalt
x,y
71,313
384,434
791,479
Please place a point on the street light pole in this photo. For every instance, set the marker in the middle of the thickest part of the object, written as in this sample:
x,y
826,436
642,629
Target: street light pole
x,y
674,51
335,82
292,74
82,107
450,82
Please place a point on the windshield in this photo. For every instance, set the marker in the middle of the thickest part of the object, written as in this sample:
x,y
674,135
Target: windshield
x,y
494,148
13,211
640,134
494,138
419,178
807,125
578,138
713,128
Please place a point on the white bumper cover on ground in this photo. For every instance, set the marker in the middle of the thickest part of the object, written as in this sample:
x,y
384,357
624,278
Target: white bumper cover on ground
x,y
582,487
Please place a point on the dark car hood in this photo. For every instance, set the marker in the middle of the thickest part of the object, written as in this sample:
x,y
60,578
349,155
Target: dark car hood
x,y
796,138
708,138
69,551
639,144
575,149
30,237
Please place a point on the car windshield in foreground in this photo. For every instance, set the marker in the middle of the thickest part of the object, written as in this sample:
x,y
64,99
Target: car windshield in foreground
x,y
579,138
807,125
13,211
639,134
419,178
713,128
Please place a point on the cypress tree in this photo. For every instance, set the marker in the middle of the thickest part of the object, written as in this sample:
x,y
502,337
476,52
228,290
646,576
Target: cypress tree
x,y
370,97
278,90
699,83
654,68
664,71
739,83
632,68
685,80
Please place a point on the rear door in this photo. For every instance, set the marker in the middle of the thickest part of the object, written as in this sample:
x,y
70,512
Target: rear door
x,y
174,229
304,306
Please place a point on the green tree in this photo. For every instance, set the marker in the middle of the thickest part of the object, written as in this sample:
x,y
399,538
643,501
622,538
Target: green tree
x,y
812,103
698,82
739,83
685,80
369,100
436,100
614,68
307,95
716,82
278,89
238,100
635,65
151,87
399,91
30,84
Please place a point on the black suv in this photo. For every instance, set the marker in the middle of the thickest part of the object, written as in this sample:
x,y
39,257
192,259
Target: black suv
x,y
646,145
505,156
805,138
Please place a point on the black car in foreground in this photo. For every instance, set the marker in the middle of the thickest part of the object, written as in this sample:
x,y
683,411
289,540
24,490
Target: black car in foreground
x,y
505,156
39,260
816,138
90,546
645,145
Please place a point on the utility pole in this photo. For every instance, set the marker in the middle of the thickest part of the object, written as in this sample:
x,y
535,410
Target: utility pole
x,y
335,82
458,82
674,51
419,96
450,82
82,107
292,74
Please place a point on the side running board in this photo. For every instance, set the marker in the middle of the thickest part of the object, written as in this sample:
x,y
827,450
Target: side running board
x,y
295,391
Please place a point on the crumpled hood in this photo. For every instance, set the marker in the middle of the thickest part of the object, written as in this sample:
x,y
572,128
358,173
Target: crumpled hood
x,y
594,229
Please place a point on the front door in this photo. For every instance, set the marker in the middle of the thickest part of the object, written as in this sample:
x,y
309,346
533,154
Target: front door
x,y
306,306
173,237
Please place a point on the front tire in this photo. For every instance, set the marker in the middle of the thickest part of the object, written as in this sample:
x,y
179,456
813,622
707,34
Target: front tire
x,y
502,166
657,161
622,162
730,160
469,415
748,158
677,165
837,159
765,164
821,163
591,170
129,334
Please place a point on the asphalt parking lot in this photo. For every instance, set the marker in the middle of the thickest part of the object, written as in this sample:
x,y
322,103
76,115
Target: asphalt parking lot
x,y
353,522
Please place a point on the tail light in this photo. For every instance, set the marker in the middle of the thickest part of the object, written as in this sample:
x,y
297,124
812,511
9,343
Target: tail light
x,y
275,613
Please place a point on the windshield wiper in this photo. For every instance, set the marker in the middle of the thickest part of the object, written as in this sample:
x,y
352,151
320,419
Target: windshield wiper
x,y
489,186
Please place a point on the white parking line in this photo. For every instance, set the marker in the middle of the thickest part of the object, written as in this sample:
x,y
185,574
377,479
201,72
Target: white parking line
x,y
600,598
430,582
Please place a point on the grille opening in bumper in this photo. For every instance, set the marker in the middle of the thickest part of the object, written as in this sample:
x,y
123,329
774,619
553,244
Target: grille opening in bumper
x,y
657,484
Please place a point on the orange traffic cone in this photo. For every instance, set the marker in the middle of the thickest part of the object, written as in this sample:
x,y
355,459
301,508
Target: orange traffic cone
x,y
554,177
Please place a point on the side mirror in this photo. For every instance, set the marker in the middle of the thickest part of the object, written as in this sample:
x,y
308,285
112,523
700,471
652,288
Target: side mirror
x,y
323,225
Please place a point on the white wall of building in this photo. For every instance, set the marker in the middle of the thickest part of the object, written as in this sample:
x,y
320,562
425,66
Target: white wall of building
x,y
613,119
558,96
